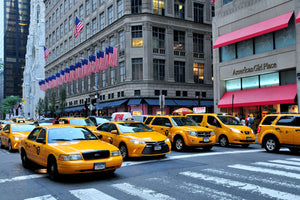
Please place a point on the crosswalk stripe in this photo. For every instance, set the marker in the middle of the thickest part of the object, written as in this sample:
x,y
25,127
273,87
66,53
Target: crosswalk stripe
x,y
285,162
266,180
45,197
242,186
91,194
294,159
266,170
21,178
287,167
143,193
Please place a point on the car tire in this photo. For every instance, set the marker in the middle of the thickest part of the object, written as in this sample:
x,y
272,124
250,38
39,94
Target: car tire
x,y
1,145
10,149
294,150
124,151
52,169
179,144
223,141
25,162
245,145
271,145
207,148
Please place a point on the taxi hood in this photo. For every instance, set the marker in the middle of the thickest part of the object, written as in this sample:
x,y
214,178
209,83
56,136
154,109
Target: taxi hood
x,y
240,127
82,146
146,136
194,128
21,134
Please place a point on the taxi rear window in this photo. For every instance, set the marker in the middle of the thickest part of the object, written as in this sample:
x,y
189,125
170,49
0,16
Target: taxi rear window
x,y
149,119
269,120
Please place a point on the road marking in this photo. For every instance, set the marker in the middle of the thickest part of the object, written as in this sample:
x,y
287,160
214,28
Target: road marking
x,y
242,186
21,178
294,159
126,164
287,167
45,197
143,193
91,194
266,170
265,180
286,162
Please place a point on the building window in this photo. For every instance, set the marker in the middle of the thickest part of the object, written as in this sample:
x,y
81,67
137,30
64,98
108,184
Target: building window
x,y
111,41
159,7
103,45
103,78
61,31
137,36
179,40
198,70
57,15
159,69
137,92
178,93
94,5
70,4
66,26
122,71
88,31
102,2
110,15
120,8
179,8
184,93
102,21
198,13
136,6
87,7
198,43
70,43
122,94
66,6
81,12
137,69
112,76
158,37
71,23
226,2
94,22
245,48
164,92
156,92
82,85
121,40
179,71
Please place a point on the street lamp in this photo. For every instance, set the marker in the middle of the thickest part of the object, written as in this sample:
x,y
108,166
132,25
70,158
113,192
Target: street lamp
x,y
199,100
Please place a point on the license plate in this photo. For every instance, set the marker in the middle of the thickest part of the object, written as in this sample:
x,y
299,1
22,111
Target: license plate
x,y
157,147
249,138
99,166
205,139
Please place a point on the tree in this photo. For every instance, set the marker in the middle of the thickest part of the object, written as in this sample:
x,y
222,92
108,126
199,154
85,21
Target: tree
x,y
62,100
46,105
40,106
52,103
8,104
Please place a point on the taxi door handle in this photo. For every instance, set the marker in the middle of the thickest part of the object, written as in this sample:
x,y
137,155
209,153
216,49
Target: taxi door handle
x,y
206,126
297,129
278,129
162,129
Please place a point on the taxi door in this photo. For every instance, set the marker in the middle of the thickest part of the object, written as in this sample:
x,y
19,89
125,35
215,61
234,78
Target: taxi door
x,y
5,134
213,123
162,125
285,129
30,144
41,155
297,131
105,130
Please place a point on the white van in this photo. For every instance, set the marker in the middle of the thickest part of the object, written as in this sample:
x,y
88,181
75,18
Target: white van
x,y
140,118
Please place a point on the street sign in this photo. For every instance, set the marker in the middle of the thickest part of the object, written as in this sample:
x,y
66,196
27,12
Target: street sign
x,y
199,109
91,107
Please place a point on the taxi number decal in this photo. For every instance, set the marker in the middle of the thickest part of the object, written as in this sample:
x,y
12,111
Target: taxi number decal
x,y
205,139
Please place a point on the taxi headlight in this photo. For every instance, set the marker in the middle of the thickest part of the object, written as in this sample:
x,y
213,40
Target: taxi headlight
x,y
115,153
70,157
193,133
252,131
137,141
235,130
167,140
17,138
212,133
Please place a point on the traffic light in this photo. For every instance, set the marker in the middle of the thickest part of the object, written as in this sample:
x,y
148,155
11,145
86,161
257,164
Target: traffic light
x,y
85,105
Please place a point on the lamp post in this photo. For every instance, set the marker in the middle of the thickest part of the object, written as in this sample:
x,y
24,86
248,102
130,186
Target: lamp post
x,y
199,100
97,96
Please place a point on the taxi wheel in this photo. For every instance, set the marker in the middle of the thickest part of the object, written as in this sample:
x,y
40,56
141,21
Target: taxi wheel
x,y
10,149
52,169
223,141
25,161
179,144
245,145
271,145
124,151
1,145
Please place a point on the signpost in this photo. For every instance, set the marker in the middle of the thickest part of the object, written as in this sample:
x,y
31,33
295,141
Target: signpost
x,y
162,103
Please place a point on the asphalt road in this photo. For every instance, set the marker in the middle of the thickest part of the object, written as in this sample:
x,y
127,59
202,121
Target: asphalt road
x,y
222,173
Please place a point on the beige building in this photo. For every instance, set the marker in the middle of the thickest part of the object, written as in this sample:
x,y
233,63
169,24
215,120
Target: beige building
x,y
256,56
165,48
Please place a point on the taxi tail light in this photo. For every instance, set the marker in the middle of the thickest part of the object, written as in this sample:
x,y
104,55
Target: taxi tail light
x,y
258,129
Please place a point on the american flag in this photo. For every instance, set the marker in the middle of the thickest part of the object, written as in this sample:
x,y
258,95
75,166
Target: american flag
x,y
78,27
46,53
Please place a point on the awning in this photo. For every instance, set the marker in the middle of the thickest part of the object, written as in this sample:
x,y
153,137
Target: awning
x,y
284,94
298,17
155,102
134,102
254,30
73,109
185,102
206,103
111,104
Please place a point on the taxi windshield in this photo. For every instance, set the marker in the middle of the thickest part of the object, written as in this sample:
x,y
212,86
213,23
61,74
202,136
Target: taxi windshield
x,y
228,120
82,122
133,127
183,121
69,134
6,122
22,128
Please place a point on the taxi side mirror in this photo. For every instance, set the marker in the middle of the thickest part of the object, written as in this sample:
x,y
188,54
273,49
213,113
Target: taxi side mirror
x,y
99,136
168,124
41,140
114,132
6,131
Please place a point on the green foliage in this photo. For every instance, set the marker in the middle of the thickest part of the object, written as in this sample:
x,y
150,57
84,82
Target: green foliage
x,y
46,105
40,106
62,100
52,103
8,104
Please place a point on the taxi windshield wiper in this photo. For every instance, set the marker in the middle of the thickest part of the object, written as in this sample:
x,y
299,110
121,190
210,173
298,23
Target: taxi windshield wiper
x,y
79,139
60,140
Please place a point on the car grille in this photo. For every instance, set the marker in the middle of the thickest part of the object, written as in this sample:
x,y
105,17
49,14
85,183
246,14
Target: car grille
x,y
203,134
94,155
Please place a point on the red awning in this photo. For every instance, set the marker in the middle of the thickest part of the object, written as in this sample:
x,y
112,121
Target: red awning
x,y
298,17
284,94
254,30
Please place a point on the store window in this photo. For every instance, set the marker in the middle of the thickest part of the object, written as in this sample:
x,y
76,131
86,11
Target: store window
x,y
245,48
137,36
267,80
264,43
285,37
159,7
198,69
250,82
233,85
179,8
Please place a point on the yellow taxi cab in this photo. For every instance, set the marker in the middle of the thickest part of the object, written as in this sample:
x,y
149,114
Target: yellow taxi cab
x,y
4,122
228,130
13,133
134,138
279,130
82,121
68,149
182,131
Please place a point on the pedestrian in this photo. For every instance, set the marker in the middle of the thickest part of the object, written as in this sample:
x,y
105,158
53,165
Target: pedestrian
x,y
236,117
250,120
